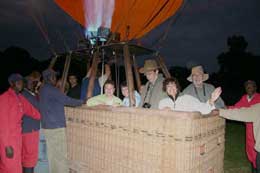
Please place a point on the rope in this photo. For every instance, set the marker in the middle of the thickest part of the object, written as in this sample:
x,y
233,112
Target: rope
x,y
37,17
117,74
102,73
38,21
174,20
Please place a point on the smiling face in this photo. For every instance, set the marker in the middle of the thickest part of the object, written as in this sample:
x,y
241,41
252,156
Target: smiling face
x,y
151,75
73,80
171,89
250,89
124,90
197,79
109,90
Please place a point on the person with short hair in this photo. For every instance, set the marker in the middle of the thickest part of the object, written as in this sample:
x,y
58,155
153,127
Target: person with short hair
x,y
74,89
183,102
37,80
13,107
250,98
30,127
125,93
248,114
52,102
152,92
108,98
199,89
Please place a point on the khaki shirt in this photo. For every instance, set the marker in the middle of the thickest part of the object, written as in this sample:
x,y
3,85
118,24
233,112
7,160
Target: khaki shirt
x,y
153,93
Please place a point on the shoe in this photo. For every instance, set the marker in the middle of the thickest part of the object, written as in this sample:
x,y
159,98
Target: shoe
x,y
28,170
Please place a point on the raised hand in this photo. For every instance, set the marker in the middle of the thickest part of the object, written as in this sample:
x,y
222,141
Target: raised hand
x,y
215,95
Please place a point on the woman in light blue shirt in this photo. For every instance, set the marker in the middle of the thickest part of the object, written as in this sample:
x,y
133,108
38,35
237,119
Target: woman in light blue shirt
x,y
126,101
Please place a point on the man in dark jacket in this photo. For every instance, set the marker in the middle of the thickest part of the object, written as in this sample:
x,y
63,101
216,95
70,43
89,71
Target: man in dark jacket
x,y
52,102
75,87
30,128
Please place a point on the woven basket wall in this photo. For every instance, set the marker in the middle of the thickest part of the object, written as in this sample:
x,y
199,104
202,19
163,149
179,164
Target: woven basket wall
x,y
129,140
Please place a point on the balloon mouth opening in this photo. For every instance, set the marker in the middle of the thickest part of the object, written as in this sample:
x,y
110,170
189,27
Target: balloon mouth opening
x,y
100,34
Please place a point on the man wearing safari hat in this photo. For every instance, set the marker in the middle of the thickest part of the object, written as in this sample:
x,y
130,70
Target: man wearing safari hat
x,y
152,92
199,89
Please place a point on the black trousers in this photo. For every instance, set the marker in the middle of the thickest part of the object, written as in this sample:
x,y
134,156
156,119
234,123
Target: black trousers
x,y
28,170
258,162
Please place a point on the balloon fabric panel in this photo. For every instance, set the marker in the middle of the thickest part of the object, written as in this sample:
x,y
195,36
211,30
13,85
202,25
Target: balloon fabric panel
x,y
131,18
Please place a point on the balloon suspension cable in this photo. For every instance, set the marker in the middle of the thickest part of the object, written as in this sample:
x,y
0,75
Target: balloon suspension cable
x,y
125,18
103,66
127,32
66,47
52,50
52,63
39,21
78,32
117,74
159,42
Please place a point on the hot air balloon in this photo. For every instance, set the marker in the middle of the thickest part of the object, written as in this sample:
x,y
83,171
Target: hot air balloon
x,y
115,139
131,18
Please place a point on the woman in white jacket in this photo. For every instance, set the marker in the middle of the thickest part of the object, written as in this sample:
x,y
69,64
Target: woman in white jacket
x,y
182,102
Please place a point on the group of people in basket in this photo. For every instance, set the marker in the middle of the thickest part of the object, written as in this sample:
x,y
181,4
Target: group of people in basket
x,y
39,104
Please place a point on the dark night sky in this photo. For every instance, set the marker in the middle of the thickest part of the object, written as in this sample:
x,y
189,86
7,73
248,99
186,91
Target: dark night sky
x,y
198,36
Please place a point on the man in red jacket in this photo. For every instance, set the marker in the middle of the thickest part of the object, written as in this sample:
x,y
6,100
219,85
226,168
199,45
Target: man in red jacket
x,y
13,107
250,98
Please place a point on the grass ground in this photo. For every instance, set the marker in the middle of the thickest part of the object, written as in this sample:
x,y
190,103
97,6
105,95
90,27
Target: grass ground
x,y
235,155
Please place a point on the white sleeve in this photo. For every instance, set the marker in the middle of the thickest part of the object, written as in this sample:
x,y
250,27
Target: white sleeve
x,y
102,80
166,102
193,104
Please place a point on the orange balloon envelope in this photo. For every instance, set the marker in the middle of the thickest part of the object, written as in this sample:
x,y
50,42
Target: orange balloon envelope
x,y
131,18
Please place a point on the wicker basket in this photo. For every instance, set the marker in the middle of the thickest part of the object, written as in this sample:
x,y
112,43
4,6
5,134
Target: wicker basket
x,y
128,140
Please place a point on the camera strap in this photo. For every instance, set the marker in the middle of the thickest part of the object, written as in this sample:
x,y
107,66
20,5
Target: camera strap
x,y
147,91
197,93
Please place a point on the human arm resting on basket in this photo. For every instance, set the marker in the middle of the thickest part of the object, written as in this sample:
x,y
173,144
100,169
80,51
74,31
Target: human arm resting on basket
x,y
117,101
64,99
250,114
96,100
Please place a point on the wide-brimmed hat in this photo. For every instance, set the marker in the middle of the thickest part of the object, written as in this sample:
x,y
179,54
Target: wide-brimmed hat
x,y
198,70
149,65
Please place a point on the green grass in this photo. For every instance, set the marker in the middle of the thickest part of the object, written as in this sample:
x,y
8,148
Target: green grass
x,y
235,154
